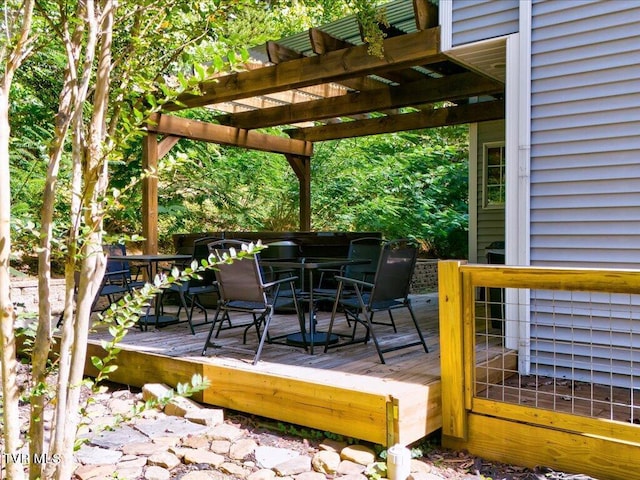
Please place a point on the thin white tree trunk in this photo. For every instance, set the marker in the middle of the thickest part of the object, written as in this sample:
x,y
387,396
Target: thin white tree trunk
x,y
88,150
13,58
71,100
10,392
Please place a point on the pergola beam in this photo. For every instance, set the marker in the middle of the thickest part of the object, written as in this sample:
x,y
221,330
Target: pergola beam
x,y
463,85
323,43
470,113
417,48
426,14
237,137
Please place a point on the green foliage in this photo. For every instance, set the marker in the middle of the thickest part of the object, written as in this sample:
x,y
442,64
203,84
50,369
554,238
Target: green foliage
x,y
411,184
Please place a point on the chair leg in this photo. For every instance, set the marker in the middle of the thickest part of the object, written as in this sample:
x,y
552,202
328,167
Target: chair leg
x,y
267,321
369,317
420,340
222,320
207,343
196,303
183,303
256,323
415,323
392,322
333,317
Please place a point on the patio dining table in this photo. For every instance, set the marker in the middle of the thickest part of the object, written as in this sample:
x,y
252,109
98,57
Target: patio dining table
x,y
309,265
151,262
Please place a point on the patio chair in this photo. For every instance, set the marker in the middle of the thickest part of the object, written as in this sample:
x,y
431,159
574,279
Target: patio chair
x,y
364,248
389,291
118,277
191,291
242,289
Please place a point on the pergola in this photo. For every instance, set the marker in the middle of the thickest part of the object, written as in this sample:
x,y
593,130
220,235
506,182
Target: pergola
x,y
325,85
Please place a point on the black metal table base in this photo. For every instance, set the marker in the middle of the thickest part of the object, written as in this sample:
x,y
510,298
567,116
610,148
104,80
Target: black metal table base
x,y
158,321
319,338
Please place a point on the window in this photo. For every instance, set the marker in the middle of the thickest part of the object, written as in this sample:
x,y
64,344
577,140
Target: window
x,y
494,175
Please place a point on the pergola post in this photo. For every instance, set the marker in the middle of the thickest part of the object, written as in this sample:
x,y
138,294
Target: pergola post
x,y
150,193
302,167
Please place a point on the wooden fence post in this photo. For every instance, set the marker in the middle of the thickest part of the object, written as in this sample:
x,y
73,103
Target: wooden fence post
x,y
454,415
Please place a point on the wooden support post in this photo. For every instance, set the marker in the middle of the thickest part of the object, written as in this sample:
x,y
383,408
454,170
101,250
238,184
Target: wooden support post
x,y
454,415
150,193
302,168
393,427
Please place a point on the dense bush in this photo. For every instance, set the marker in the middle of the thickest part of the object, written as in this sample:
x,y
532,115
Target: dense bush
x,y
412,184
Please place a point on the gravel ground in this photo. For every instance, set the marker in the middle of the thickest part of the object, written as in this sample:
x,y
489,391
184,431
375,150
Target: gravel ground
x,y
444,464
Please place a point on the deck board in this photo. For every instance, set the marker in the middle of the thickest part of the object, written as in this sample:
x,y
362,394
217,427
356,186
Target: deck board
x,y
344,390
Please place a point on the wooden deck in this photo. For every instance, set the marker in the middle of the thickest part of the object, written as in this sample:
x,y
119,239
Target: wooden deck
x,y
345,391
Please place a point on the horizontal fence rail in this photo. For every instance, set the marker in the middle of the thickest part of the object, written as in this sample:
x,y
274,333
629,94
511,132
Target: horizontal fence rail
x,y
553,347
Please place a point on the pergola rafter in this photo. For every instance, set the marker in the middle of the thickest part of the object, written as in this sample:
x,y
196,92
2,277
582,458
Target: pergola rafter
x,y
331,88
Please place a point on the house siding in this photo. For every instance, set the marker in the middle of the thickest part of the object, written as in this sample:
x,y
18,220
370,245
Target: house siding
x,y
476,20
585,178
585,133
491,221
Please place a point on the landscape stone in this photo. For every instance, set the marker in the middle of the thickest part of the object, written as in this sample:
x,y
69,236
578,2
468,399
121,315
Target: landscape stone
x,y
418,466
359,454
131,473
118,437
89,455
96,410
347,467
311,476
120,406
326,461
220,446
155,391
168,441
203,456
424,476
180,452
355,476
156,473
206,416
242,448
98,424
89,472
233,469
262,474
143,448
269,457
332,445
225,432
294,466
195,441
164,425
130,461
179,406
204,475
165,459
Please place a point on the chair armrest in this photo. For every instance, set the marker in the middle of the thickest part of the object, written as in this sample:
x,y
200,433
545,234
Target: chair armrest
x,y
116,273
354,281
279,281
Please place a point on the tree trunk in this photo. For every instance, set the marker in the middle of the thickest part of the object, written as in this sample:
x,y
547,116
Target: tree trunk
x,y
10,392
89,151
13,58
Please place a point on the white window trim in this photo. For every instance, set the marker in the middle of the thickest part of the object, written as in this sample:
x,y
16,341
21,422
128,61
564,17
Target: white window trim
x,y
485,168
